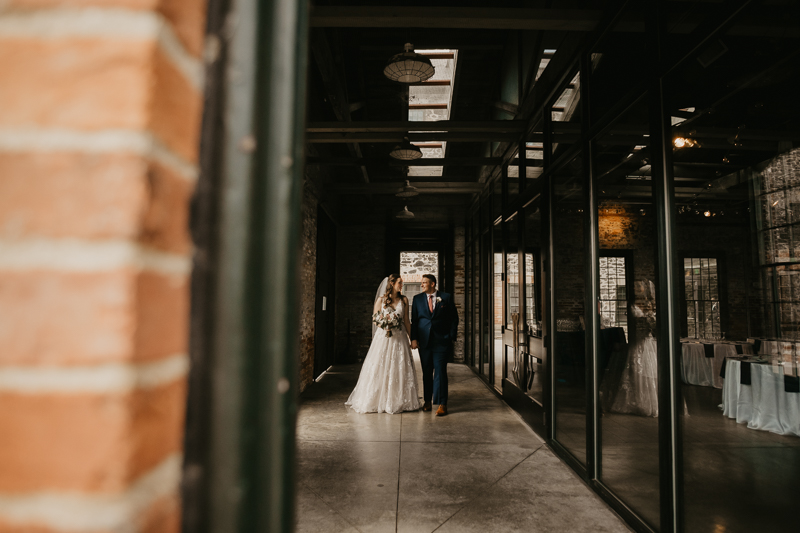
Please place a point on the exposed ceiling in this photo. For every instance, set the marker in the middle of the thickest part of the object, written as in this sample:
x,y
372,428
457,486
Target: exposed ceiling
x,y
356,115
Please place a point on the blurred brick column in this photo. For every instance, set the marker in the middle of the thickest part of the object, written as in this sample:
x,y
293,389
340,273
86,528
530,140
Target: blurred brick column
x,y
100,104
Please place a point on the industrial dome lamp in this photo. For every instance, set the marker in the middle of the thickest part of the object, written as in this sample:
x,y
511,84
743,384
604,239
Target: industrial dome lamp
x,y
405,214
409,67
405,151
407,191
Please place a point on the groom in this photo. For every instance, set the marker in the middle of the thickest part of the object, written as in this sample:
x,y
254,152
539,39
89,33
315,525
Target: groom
x,y
434,324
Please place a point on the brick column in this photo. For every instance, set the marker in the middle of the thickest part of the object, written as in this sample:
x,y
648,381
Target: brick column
x,y
99,121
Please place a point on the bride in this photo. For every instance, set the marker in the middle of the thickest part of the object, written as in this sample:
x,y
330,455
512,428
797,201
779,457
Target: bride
x,y
388,380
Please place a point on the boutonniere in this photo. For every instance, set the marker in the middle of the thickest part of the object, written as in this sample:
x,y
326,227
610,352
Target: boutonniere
x,y
438,300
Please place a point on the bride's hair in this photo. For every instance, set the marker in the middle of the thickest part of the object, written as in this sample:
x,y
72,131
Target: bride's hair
x,y
387,298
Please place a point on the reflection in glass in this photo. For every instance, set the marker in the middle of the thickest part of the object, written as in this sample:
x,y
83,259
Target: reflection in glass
x,y
701,283
627,357
498,305
533,317
614,293
513,294
569,362
740,245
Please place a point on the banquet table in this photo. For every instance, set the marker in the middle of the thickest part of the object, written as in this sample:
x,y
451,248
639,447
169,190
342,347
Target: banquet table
x,y
765,403
699,369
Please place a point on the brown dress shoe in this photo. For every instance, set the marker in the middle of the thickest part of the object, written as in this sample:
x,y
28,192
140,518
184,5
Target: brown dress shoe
x,y
441,411
426,406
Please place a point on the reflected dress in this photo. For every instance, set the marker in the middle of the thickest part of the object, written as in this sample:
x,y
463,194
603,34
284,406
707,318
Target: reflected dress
x,y
631,385
388,380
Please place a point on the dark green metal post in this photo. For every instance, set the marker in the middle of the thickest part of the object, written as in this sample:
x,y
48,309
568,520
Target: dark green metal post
x,y
241,476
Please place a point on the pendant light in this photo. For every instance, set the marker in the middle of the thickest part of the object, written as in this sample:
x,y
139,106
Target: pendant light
x,y
405,214
405,151
409,67
407,191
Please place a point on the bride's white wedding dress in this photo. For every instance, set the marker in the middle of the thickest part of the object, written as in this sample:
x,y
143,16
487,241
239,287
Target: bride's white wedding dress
x,y
388,380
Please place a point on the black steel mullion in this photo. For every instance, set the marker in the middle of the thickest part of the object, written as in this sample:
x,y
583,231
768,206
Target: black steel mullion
x,y
550,293
669,348
592,289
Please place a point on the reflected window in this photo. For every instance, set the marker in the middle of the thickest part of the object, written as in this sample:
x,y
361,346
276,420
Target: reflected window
x,y
531,310
701,284
614,292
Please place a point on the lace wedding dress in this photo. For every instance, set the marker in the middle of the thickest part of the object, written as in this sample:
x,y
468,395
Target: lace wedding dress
x,y
631,385
388,379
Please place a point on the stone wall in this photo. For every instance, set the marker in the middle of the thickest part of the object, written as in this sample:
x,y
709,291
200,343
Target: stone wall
x,y
414,264
308,275
360,267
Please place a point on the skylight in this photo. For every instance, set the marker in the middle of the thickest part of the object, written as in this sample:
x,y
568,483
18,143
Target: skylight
x,y
430,101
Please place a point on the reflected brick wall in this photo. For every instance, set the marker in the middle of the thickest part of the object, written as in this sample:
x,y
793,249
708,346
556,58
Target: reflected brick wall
x,y
625,229
100,108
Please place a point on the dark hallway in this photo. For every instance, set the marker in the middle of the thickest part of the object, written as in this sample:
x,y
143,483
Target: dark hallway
x,y
608,194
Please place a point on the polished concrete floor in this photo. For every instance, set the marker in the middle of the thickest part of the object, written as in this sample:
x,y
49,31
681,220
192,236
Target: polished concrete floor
x,y
478,469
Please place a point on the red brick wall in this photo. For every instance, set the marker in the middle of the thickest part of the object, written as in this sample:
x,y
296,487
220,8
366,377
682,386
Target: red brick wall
x,y
100,107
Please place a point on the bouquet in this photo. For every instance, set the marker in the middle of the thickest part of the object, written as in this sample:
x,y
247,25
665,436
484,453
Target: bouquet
x,y
387,319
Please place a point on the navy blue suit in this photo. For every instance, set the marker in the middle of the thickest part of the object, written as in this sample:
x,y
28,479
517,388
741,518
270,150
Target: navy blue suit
x,y
435,333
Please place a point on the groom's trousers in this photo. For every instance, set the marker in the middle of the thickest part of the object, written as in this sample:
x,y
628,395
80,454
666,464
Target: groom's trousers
x,y
434,373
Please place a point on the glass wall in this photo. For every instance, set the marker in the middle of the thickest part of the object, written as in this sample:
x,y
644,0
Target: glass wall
x,y
532,224
498,305
673,340
737,208
514,291
569,292
627,349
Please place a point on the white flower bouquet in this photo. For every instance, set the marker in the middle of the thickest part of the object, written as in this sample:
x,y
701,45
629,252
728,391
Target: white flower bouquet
x,y
387,319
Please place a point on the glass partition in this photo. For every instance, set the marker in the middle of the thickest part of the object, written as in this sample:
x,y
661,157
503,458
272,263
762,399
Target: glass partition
x,y
514,289
487,331
737,203
569,279
533,308
627,354
498,305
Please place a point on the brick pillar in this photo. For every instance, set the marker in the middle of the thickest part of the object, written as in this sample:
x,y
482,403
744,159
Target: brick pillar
x,y
99,122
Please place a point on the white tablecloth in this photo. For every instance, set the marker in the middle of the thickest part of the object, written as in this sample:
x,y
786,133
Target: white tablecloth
x,y
763,405
697,369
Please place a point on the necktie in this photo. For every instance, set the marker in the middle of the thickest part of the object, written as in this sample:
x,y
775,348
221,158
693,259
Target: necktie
x,y
430,302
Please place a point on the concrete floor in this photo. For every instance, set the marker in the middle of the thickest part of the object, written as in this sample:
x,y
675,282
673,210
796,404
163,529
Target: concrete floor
x,y
478,469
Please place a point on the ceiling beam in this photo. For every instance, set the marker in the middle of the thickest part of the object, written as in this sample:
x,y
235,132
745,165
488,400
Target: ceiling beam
x,y
334,86
448,17
507,107
396,137
384,161
442,187
404,126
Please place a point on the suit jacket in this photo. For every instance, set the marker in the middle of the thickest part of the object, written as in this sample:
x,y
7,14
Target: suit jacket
x,y
434,329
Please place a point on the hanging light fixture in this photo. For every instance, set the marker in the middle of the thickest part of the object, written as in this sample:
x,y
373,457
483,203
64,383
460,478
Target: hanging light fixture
x,y
404,214
409,67
405,151
407,191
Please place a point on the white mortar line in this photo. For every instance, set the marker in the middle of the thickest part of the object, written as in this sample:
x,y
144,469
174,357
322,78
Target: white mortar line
x,y
109,23
106,378
119,513
99,142
73,255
